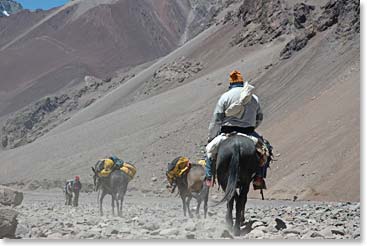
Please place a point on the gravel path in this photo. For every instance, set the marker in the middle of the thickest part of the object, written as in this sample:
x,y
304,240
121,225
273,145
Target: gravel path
x,y
160,216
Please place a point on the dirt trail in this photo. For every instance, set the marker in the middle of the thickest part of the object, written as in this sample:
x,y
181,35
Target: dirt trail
x,y
159,216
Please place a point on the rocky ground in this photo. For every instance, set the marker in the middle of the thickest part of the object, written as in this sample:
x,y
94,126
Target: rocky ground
x,y
43,215
171,75
265,21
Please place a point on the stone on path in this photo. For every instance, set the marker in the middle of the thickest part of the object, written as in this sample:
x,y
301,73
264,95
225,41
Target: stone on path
x,y
8,222
10,197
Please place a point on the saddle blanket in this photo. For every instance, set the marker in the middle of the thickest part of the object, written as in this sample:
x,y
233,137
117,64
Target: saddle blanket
x,y
262,150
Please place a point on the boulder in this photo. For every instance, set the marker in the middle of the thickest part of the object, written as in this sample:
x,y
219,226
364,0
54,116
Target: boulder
x,y
296,44
8,222
10,197
280,224
301,12
190,236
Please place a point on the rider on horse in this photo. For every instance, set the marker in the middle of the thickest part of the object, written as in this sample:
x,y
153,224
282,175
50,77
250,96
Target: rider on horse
x,y
248,121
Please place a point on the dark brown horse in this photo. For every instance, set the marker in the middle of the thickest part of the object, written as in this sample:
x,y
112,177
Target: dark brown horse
x,y
236,166
191,185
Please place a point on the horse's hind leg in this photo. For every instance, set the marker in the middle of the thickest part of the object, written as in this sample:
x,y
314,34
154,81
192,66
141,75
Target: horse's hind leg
x,y
101,202
121,199
243,217
240,207
117,206
206,197
188,206
183,198
113,204
198,207
229,217
120,208
205,208
244,205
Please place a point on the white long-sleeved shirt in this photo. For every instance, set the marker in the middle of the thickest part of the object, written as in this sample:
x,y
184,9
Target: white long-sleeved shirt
x,y
251,117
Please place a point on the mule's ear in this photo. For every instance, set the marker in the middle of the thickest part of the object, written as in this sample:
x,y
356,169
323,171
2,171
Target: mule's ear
x,y
94,170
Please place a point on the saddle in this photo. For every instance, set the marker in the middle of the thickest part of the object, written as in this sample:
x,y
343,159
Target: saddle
x,y
261,147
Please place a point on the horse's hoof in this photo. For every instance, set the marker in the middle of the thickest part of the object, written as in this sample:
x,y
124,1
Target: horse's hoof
x,y
236,232
191,216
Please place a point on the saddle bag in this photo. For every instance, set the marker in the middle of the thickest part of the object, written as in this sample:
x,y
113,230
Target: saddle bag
x,y
104,167
237,108
177,167
129,169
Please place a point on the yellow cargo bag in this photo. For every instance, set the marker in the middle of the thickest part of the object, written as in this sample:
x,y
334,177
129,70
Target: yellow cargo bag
x,y
107,167
104,173
202,162
129,169
182,165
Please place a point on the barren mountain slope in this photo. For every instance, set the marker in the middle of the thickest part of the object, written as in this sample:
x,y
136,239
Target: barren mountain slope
x,y
84,38
14,25
140,132
310,100
312,117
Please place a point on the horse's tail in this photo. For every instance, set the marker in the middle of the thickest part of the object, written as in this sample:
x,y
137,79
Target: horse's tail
x,y
232,174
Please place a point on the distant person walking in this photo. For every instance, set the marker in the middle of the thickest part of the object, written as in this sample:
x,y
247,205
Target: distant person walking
x,y
72,189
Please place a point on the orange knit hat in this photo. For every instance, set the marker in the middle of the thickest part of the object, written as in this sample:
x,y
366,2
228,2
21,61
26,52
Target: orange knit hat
x,y
235,77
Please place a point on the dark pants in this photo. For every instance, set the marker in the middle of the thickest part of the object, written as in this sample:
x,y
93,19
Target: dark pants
x,y
76,198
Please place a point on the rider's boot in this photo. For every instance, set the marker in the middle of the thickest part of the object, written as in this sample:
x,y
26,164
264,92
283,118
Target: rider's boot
x,y
259,181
